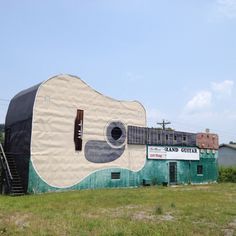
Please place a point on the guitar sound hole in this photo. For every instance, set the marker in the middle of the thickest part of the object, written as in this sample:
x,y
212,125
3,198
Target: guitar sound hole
x,y
116,133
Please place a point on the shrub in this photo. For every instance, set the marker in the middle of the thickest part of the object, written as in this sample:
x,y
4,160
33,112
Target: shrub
x,y
158,210
227,174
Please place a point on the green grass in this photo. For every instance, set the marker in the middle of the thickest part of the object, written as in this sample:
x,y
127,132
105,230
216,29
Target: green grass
x,y
182,210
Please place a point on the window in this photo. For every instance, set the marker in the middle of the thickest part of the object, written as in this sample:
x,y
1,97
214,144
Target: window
x,y
167,137
175,137
184,138
199,169
115,175
159,137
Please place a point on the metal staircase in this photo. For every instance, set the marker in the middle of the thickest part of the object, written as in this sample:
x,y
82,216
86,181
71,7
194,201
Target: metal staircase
x,y
12,183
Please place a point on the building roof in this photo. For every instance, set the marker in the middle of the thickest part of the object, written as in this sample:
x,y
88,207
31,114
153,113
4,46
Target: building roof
x,y
233,146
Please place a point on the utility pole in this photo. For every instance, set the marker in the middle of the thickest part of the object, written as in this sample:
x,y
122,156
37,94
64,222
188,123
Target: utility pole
x,y
164,123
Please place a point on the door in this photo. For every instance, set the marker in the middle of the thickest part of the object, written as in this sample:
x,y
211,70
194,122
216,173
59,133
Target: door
x,y
172,172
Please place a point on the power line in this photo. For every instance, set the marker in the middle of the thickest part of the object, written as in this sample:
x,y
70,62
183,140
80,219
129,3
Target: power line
x,y
163,124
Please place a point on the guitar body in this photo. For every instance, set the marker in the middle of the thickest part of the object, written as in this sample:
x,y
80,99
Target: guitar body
x,y
77,131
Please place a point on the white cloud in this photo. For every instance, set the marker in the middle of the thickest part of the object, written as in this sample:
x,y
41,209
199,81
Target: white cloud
x,y
223,88
227,8
203,100
200,102
204,110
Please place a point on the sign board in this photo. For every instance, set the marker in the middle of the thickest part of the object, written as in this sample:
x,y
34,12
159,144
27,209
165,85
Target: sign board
x,y
173,153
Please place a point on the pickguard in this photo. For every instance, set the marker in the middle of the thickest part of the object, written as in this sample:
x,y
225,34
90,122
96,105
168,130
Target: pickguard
x,y
101,152
98,151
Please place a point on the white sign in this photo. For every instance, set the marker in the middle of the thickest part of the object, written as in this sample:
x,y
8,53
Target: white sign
x,y
173,153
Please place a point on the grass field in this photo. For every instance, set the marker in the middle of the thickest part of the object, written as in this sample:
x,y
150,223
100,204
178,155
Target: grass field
x,y
182,210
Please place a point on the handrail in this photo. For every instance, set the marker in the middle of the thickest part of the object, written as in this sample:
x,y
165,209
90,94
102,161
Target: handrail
x,y
5,159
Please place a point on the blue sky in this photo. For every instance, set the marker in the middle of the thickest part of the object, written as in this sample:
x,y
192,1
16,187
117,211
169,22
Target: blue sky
x,y
176,57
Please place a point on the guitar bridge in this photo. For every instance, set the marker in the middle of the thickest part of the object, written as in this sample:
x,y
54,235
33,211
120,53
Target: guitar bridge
x,y
78,130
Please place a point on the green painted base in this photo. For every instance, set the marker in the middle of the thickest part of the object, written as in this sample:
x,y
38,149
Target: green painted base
x,y
154,172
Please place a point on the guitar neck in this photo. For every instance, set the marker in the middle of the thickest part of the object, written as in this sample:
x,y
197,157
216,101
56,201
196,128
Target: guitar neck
x,y
155,136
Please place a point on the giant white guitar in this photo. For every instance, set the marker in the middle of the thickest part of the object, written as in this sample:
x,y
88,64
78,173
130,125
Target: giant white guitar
x,y
77,131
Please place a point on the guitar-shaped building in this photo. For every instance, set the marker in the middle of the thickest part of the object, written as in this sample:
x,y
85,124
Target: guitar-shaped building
x,y
63,135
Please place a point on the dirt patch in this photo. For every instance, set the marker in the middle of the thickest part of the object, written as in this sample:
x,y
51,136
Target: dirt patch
x,y
113,212
147,216
142,215
228,232
233,224
167,217
231,228
134,212
120,211
90,216
20,220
